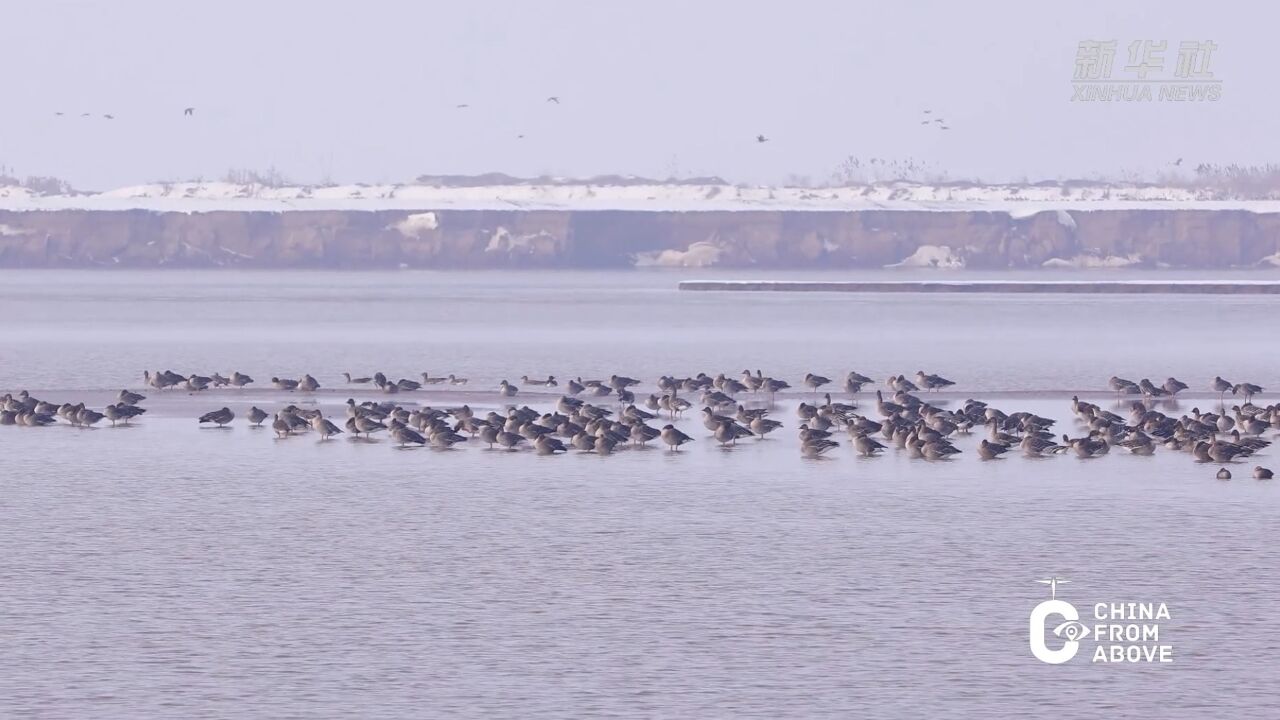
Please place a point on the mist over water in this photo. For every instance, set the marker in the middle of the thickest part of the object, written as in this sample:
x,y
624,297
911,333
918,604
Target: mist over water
x,y
169,570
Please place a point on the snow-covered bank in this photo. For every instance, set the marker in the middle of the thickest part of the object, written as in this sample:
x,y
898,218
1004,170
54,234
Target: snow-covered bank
x,y
1017,200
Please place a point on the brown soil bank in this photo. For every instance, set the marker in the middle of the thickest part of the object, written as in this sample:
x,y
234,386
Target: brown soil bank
x,y
600,239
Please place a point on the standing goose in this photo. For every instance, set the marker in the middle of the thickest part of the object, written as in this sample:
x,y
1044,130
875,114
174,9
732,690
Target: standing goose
x,y
1246,389
762,426
1173,386
239,379
814,382
1221,387
221,418
866,446
257,415
673,438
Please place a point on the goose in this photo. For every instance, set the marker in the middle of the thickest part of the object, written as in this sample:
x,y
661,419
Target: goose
x,y
931,382
405,435
938,450
123,413
1246,389
1173,386
621,382
308,384
1036,446
817,447
902,384
257,415
281,426
366,425
1261,473
454,380
603,444
509,440
1221,386
408,385
549,382
814,382
728,432
673,438
640,434
1123,387
198,382
1224,474
356,381
129,398
218,417
1149,389
506,389
284,383
325,427
866,446
762,426
240,380
218,380
547,445
988,450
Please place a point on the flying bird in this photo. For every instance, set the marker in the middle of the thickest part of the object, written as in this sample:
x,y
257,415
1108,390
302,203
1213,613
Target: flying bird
x,y
926,112
761,139
1178,161
84,114
462,105
944,127
108,116
519,137
58,114
554,99
189,111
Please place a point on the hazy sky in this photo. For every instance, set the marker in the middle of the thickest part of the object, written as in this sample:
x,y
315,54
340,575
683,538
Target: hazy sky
x,y
366,91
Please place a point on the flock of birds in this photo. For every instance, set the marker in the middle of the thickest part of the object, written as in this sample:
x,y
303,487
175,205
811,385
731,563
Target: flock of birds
x,y
601,416
186,112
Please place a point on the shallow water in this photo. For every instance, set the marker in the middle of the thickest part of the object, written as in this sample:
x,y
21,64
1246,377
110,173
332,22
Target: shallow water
x,y
169,570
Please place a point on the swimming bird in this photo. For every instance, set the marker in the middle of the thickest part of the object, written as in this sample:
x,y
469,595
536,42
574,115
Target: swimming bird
x,y
506,389
453,380
1261,473
218,417
1224,474
356,381
549,382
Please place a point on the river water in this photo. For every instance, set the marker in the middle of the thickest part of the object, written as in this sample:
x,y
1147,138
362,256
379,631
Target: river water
x,y
164,570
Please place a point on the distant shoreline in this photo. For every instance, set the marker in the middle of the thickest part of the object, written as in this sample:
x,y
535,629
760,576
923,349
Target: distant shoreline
x,y
1065,287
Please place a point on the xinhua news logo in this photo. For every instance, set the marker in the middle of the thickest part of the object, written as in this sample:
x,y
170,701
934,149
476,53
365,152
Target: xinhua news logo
x,y
1154,72
1121,632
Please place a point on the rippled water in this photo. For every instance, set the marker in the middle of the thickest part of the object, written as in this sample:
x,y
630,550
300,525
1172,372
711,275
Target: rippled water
x,y
168,570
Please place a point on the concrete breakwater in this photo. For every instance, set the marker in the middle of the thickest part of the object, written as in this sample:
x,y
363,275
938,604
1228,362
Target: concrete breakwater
x,y
623,238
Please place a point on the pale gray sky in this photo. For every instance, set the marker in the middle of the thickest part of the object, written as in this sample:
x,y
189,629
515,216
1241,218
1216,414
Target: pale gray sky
x,y
365,91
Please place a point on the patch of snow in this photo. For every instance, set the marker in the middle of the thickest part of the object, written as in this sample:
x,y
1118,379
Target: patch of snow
x,y
1066,220
699,254
1271,260
414,224
932,256
10,231
1088,261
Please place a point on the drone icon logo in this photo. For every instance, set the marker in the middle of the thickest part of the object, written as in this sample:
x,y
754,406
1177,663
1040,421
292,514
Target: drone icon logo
x,y
1071,629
